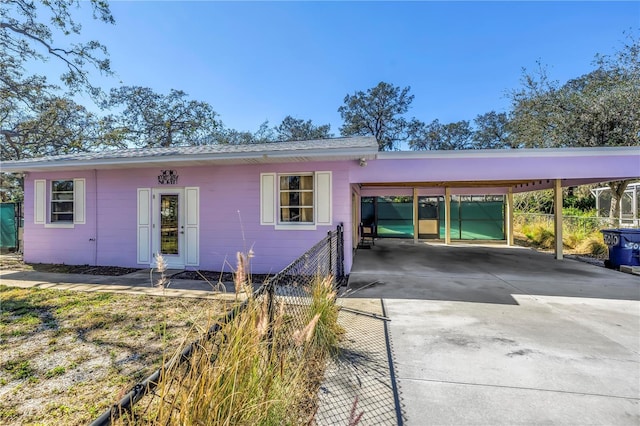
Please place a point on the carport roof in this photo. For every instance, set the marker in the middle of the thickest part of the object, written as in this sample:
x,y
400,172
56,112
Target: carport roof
x,y
520,169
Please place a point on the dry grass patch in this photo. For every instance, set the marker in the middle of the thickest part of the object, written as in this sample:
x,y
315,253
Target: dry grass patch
x,y
262,368
578,240
65,356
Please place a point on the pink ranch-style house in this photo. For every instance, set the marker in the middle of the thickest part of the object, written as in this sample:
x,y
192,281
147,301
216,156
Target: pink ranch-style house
x,y
198,206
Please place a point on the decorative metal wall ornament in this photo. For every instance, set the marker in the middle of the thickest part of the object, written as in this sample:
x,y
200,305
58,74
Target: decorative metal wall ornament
x,y
168,177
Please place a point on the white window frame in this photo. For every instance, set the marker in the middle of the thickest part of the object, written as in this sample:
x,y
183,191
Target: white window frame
x,y
53,201
270,201
43,201
297,224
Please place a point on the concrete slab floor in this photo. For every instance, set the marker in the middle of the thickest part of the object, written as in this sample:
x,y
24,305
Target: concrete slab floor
x,y
494,335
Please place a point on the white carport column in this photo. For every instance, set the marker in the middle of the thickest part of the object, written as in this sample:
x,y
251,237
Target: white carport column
x,y
447,215
509,217
416,229
557,209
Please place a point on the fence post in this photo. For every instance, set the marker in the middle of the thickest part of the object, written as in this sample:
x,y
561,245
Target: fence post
x,y
270,311
341,252
330,241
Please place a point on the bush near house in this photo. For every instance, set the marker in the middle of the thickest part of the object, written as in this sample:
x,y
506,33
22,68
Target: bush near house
x,y
580,231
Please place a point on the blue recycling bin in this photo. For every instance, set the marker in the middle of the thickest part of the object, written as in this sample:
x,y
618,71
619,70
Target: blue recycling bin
x,y
624,247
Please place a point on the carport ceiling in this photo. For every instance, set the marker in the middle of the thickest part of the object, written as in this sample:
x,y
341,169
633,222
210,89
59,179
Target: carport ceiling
x,y
521,185
458,184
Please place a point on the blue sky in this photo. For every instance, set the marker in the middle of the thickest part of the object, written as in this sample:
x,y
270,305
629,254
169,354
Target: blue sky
x,y
256,61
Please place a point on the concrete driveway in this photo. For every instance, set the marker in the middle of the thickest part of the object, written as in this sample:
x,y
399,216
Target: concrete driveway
x,y
495,335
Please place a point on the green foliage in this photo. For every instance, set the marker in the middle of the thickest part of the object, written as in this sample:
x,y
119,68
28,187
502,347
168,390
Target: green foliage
x,y
151,120
575,203
437,136
377,112
19,369
594,245
328,333
40,31
491,131
294,129
55,371
578,212
578,204
581,234
600,108
534,202
38,119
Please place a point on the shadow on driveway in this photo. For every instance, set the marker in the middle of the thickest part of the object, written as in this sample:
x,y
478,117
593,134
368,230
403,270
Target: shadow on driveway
x,y
401,269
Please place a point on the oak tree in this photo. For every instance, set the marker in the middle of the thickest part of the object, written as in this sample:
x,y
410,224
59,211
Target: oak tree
x,y
149,119
378,112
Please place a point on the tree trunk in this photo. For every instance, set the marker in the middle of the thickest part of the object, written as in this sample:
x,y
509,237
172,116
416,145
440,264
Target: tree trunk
x,y
617,191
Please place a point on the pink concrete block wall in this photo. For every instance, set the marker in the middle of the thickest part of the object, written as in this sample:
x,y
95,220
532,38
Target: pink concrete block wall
x,y
229,217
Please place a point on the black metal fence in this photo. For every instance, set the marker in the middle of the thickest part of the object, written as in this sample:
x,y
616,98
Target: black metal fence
x,y
290,288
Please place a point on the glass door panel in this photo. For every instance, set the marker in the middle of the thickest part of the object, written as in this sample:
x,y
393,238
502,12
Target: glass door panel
x,y
169,226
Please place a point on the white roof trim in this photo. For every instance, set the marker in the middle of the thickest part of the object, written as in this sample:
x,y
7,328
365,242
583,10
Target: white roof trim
x,y
361,147
521,152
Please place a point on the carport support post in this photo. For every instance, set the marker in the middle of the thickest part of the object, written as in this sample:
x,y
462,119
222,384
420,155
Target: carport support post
x,y
509,217
447,215
557,216
416,229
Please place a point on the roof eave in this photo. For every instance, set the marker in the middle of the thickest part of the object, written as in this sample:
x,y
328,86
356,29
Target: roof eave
x,y
264,157
520,152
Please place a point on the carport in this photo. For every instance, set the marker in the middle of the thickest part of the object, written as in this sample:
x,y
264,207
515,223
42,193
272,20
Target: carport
x,y
489,334
447,174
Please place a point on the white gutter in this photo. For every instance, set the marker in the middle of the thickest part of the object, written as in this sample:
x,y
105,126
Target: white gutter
x,y
507,153
368,153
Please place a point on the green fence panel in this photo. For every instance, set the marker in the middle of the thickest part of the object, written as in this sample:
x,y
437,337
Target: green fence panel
x,y
481,230
474,220
481,210
470,220
8,226
367,211
395,219
481,220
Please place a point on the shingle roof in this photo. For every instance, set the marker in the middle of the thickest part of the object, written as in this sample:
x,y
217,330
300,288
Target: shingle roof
x,y
325,148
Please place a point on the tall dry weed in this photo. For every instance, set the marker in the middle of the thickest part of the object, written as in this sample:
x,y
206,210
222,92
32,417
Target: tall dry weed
x,y
259,368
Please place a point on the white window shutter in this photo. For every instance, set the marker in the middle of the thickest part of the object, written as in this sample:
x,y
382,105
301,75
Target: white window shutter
x,y
323,198
39,201
192,226
268,191
144,225
79,201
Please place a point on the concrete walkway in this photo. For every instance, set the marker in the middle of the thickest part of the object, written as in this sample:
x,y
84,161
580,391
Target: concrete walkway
x,y
494,335
139,282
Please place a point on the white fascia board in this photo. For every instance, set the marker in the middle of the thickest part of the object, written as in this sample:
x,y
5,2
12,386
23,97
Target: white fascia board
x,y
259,156
521,152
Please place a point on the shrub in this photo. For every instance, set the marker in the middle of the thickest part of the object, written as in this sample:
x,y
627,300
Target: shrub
x,y
264,367
593,245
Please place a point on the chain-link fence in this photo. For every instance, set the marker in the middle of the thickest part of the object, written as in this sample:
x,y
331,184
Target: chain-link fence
x,y
287,298
361,380
582,224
